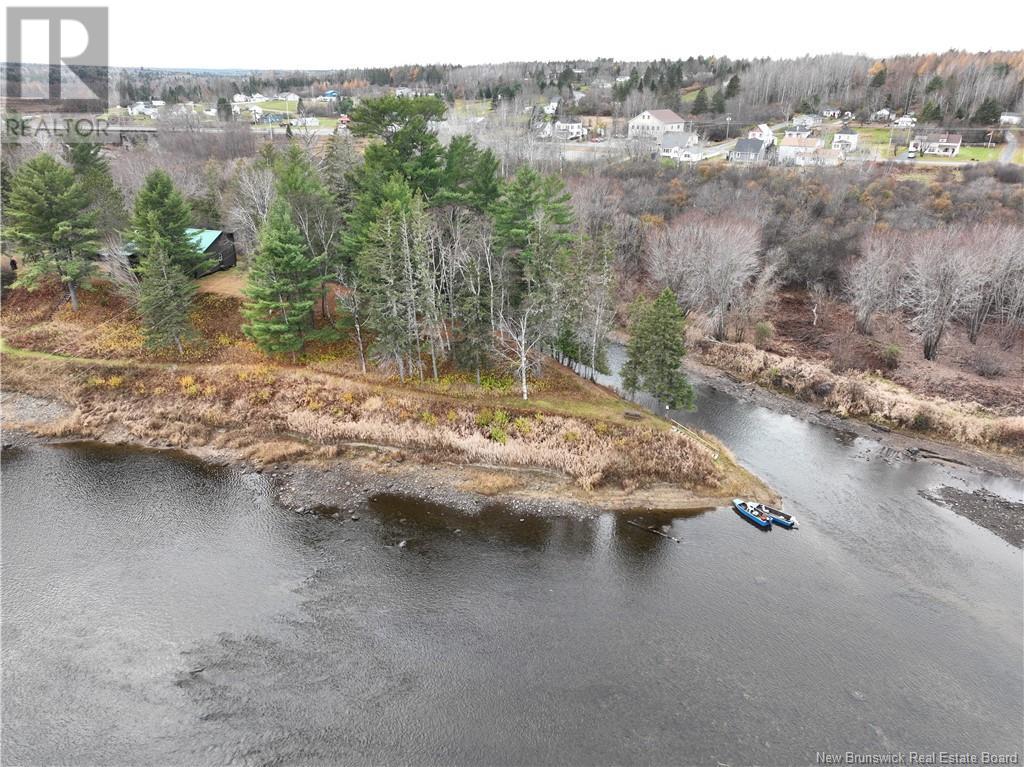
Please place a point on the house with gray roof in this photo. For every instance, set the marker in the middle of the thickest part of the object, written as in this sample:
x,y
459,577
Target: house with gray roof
x,y
748,150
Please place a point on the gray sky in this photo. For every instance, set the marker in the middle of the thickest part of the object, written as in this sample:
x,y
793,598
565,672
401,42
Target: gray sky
x,y
353,33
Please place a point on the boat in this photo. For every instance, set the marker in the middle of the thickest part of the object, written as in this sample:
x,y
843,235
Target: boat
x,y
752,514
780,518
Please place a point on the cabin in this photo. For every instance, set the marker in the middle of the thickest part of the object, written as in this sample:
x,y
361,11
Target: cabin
x,y
216,244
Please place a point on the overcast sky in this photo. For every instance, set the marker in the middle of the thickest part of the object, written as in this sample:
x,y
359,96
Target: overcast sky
x,y
355,33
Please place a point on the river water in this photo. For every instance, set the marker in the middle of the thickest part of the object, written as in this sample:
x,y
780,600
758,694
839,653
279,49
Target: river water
x,y
157,610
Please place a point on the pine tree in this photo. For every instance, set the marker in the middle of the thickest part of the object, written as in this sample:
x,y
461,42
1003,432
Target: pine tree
x,y
700,104
160,219
48,220
988,113
165,298
718,102
732,90
281,289
93,172
655,351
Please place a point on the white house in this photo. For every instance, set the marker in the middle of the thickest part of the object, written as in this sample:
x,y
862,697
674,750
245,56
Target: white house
x,y
883,115
256,113
158,103
259,98
570,129
622,79
551,107
306,122
763,133
806,121
793,147
941,144
671,143
654,123
1010,118
240,98
288,96
907,121
831,112
845,140
692,153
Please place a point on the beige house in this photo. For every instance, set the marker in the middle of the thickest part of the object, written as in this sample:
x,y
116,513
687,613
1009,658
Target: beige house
x,y
791,148
655,123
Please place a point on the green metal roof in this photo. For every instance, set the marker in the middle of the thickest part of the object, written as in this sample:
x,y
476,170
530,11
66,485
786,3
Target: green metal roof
x,y
204,237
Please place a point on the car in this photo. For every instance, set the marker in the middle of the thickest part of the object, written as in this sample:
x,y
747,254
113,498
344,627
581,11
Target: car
x,y
912,154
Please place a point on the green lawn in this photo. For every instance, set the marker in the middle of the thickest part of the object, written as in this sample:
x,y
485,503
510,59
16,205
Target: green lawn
x,y
278,105
968,154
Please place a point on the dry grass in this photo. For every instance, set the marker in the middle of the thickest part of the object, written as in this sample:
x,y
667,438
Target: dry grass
x,y
868,396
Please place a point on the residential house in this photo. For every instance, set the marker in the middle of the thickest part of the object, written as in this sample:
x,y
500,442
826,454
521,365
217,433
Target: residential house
x,y
693,153
807,121
305,122
404,92
570,129
622,79
259,98
551,108
845,140
344,120
941,144
883,115
793,147
820,156
906,121
763,133
798,133
831,112
1010,118
748,150
654,123
674,141
241,98
255,113
288,96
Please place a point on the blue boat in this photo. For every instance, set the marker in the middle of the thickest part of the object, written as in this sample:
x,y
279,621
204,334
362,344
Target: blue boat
x,y
752,514
780,518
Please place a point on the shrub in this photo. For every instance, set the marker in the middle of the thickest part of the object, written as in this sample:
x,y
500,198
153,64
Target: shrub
x,y
428,418
987,365
497,433
522,425
483,418
764,332
891,356
922,421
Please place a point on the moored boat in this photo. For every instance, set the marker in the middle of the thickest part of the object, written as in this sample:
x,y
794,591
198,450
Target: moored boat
x,y
780,518
752,514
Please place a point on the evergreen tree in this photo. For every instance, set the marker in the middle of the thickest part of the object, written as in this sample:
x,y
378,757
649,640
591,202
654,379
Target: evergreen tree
x,y
718,102
700,104
165,298
160,220
93,172
732,90
931,113
48,220
655,351
281,289
878,79
988,113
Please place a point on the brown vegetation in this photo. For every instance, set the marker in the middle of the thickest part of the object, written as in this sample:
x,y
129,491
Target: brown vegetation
x,y
231,399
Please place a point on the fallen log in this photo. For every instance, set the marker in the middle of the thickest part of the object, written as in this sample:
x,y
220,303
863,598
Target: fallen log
x,y
653,530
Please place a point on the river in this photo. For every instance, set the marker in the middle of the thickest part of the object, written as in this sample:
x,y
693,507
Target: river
x,y
157,610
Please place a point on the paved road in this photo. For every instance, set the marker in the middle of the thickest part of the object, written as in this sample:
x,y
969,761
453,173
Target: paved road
x,y
1006,157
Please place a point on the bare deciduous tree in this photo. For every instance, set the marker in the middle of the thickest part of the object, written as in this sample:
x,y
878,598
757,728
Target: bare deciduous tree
x,y
708,262
938,282
874,282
